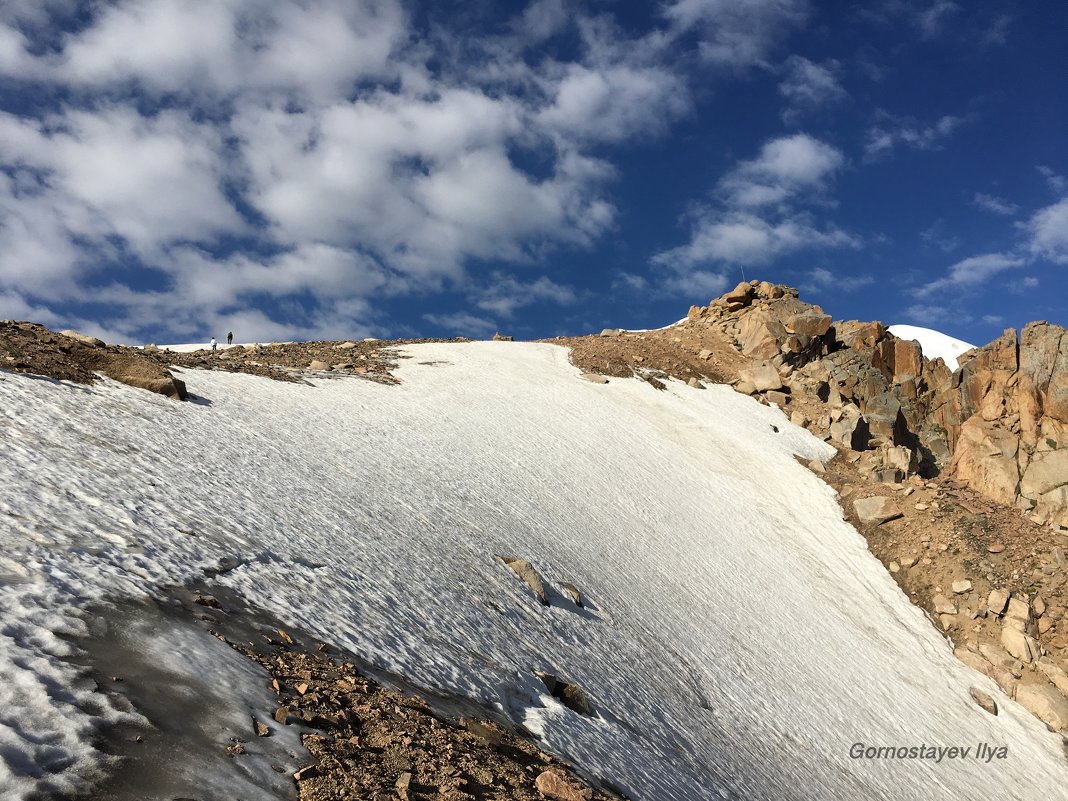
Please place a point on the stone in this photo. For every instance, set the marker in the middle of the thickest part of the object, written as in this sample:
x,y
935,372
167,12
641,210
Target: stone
x,y
568,693
962,586
1019,645
780,399
704,354
572,592
261,728
1038,606
852,432
693,382
997,601
526,573
996,655
995,547
816,466
499,337
984,700
943,606
319,365
345,346
555,784
594,378
1018,609
611,332
876,510
169,387
85,339
808,325
762,378
1046,472
740,295
1052,671
1046,703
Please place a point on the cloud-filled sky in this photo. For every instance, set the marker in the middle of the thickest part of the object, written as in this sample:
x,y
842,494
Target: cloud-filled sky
x,y
175,169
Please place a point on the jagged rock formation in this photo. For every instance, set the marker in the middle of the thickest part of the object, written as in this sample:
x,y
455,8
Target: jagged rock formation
x,y
999,423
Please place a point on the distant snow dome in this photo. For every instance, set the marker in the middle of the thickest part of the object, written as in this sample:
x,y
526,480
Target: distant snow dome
x,y
935,344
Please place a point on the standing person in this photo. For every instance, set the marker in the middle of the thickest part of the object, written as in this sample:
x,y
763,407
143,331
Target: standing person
x,y
213,343
230,338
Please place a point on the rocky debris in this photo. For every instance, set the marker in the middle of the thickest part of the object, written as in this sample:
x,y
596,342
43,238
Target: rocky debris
x,y
573,593
85,339
556,784
70,356
962,586
526,573
943,606
876,510
367,741
1046,703
569,694
499,337
1020,645
984,700
999,423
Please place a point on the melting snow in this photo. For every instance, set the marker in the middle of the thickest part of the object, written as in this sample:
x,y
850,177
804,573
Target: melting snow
x,y
739,637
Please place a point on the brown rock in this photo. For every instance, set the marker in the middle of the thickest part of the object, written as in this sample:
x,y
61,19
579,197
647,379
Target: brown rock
x,y
984,700
556,784
525,571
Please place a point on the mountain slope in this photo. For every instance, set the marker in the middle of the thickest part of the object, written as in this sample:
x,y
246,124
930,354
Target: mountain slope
x,y
739,637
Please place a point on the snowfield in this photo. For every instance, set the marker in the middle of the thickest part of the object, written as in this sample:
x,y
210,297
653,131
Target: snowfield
x,y
934,344
740,637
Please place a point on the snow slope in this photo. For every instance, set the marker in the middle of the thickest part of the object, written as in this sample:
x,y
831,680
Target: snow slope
x,y
740,637
934,344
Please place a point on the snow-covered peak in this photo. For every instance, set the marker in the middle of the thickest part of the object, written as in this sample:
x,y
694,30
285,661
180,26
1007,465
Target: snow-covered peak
x,y
935,344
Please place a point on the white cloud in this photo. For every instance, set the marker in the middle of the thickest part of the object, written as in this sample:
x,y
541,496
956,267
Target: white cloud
x,y
613,103
502,294
996,205
315,49
973,271
823,279
784,167
1047,232
737,33
932,19
1058,183
890,132
747,239
462,324
808,86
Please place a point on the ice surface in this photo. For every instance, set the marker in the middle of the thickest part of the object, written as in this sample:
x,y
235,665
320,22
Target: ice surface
x,y
739,636
934,344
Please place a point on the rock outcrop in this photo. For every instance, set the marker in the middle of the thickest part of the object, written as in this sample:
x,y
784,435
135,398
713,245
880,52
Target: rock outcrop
x,y
998,423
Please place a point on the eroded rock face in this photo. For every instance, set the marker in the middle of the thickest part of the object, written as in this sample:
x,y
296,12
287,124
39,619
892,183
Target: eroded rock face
x,y
999,422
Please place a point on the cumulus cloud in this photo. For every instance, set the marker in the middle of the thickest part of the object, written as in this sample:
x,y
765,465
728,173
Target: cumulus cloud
x,y
222,152
737,33
785,166
808,86
748,239
759,216
1047,233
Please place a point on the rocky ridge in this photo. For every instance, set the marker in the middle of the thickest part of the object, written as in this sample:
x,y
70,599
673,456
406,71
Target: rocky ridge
x,y
998,423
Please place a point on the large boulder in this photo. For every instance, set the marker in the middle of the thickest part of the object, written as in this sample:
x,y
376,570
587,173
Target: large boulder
x,y
1047,704
986,458
762,378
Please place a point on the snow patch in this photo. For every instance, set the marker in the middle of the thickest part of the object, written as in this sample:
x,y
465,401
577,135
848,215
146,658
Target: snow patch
x,y
743,639
934,344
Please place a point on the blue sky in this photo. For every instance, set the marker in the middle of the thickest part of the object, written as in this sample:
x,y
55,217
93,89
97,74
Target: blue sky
x,y
174,169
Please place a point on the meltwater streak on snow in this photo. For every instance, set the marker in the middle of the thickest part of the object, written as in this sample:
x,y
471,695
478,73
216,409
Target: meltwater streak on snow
x,y
740,636
934,344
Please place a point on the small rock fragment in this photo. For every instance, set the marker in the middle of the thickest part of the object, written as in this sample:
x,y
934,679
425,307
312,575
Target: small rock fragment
x,y
984,700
